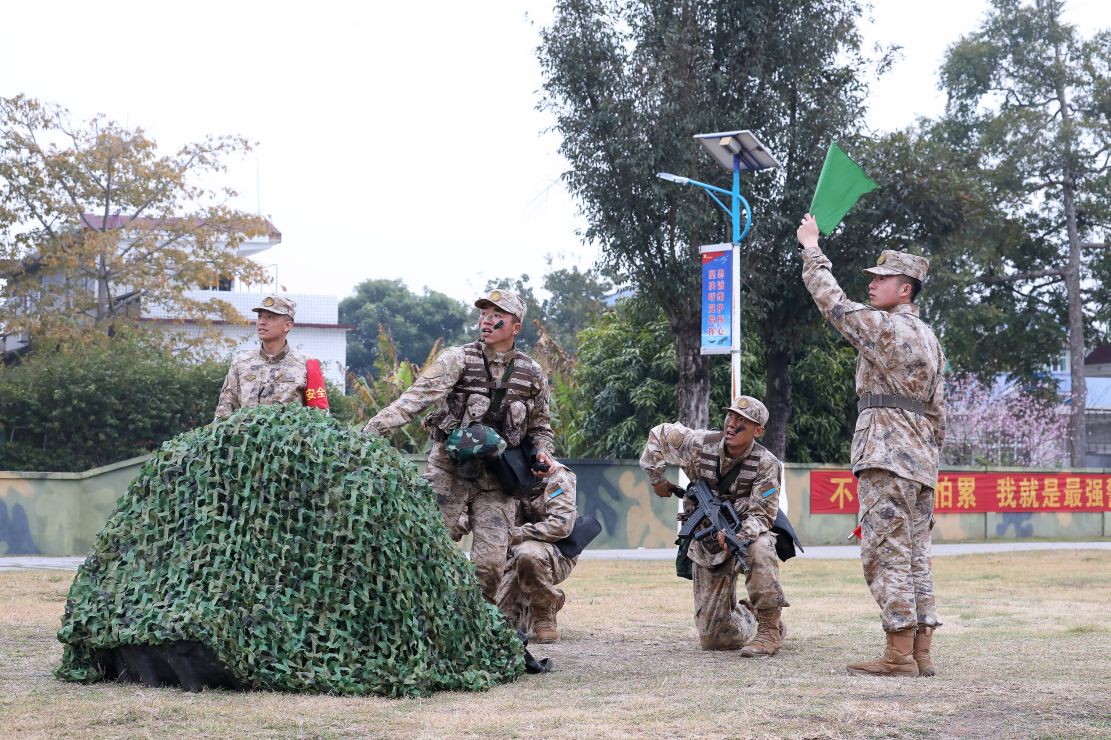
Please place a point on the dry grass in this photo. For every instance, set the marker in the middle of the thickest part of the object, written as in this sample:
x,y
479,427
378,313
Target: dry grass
x,y
1024,653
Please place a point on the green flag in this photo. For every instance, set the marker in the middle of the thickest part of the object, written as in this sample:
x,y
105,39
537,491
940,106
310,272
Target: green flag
x,y
840,186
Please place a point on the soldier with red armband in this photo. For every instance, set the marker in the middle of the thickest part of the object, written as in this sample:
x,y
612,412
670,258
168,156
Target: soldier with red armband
x,y
275,372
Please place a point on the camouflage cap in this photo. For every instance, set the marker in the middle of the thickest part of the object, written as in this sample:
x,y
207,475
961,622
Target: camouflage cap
x,y
891,262
277,304
477,441
506,300
751,409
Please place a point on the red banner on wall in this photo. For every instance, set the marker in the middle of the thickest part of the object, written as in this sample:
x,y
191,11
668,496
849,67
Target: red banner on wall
x,y
835,492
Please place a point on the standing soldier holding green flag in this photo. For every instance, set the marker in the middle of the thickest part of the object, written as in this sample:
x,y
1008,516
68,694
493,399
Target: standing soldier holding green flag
x,y
897,443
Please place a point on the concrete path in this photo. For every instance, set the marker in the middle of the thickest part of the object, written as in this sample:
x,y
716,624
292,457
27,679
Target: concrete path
x,y
828,552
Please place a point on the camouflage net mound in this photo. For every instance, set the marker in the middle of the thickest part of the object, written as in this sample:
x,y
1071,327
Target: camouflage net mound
x,y
304,555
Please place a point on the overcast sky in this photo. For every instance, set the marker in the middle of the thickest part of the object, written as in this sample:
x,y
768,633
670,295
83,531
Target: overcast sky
x,y
394,140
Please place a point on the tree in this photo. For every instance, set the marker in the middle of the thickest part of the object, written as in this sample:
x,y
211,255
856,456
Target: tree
x,y
94,221
624,379
990,424
575,298
1031,101
414,322
629,82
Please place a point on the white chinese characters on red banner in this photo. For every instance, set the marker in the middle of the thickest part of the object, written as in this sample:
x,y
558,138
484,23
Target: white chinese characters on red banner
x,y
835,492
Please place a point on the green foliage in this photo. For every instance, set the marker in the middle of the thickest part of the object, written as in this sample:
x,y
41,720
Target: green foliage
x,y
65,409
625,373
621,384
392,376
575,298
305,555
416,322
823,388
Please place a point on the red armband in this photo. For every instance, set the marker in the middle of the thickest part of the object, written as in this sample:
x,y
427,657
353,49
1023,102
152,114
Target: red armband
x,y
315,395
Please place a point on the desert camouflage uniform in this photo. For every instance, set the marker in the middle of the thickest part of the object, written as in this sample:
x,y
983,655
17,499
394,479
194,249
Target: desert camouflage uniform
x,y
535,565
895,452
722,621
474,503
258,379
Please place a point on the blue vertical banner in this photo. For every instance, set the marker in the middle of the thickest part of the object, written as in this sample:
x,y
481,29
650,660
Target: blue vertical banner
x,y
717,299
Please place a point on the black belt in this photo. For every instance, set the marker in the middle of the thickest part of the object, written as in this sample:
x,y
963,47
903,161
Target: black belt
x,y
886,401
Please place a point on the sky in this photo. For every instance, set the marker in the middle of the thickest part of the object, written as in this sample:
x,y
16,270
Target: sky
x,y
392,140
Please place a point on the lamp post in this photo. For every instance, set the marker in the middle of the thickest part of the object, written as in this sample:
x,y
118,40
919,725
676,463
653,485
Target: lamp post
x,y
736,152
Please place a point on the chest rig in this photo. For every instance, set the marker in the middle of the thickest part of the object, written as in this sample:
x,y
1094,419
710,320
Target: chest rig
x,y
738,481
481,397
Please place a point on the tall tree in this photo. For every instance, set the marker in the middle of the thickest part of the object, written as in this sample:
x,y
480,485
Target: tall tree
x,y
95,221
630,81
1032,100
414,322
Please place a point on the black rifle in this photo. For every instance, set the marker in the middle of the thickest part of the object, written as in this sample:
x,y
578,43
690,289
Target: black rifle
x,y
721,515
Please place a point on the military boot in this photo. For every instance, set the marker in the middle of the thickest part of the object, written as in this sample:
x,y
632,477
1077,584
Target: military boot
x,y
922,639
544,627
769,635
897,659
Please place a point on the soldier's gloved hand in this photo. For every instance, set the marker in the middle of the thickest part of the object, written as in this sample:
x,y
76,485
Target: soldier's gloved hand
x,y
662,489
516,536
545,459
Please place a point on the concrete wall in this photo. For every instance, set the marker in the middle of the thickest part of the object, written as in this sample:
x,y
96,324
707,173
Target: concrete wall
x,y
60,513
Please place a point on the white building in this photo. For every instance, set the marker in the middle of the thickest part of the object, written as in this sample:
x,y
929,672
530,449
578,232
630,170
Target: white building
x,y
316,330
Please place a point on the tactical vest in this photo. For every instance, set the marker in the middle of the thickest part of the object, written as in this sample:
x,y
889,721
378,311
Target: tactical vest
x,y
741,488
522,384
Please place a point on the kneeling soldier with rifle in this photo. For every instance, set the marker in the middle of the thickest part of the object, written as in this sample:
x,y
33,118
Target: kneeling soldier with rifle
x,y
541,556
742,472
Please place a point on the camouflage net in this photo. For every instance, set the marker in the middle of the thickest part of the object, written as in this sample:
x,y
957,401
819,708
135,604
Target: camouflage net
x,y
305,555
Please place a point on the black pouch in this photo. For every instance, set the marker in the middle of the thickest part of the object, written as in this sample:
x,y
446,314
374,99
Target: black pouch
x,y
684,568
513,469
785,538
585,530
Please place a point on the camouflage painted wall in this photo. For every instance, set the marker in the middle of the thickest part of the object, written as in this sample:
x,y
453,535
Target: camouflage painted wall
x,y
60,513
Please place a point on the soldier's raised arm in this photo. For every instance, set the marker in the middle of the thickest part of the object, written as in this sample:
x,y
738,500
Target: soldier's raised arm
x,y
869,331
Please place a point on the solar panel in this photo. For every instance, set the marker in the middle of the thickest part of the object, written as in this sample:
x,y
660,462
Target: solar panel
x,y
754,156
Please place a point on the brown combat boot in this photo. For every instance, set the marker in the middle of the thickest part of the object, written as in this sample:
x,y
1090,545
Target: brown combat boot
x,y
897,659
922,639
769,635
544,627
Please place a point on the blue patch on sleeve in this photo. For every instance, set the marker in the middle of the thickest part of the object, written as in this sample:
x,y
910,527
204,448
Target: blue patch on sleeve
x,y
555,493
770,492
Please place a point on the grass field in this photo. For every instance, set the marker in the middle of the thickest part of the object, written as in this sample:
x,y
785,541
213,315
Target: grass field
x,y
1025,652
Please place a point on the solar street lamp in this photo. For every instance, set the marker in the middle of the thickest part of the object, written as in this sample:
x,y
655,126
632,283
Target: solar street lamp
x,y
736,152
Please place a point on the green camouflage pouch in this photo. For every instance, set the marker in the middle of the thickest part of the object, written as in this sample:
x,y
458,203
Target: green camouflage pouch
x,y
476,442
